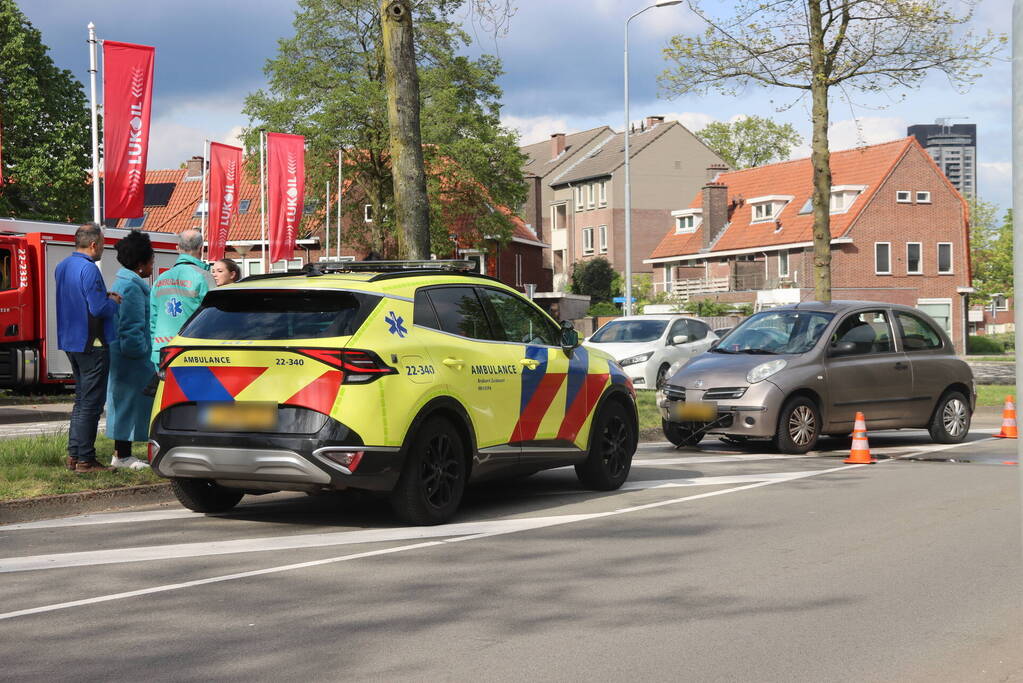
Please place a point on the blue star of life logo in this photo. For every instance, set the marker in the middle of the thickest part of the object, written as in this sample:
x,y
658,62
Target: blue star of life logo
x,y
396,323
174,308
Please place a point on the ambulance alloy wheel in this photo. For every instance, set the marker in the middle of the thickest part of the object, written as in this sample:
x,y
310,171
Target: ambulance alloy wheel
x,y
433,479
612,446
203,495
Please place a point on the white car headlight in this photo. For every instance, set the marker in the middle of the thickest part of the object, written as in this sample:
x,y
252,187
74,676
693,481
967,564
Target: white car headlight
x,y
765,370
639,358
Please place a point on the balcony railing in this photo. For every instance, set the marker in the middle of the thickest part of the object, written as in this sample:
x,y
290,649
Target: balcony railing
x,y
684,289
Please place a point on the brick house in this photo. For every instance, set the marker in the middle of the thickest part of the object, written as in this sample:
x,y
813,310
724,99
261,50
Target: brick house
x,y
173,203
577,190
899,233
998,317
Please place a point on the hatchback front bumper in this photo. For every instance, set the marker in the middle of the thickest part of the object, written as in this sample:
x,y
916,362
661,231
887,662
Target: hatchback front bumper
x,y
754,415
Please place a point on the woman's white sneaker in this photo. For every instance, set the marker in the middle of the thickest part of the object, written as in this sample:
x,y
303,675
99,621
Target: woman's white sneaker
x,y
131,463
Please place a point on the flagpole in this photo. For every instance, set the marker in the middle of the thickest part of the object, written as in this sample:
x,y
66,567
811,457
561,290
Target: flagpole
x,y
205,198
327,226
341,165
262,198
95,126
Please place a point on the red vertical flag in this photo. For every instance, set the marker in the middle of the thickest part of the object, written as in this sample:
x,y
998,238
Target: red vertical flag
x,y
225,174
127,104
285,167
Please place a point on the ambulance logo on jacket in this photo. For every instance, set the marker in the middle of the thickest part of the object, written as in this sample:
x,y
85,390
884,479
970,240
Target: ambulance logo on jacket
x,y
174,308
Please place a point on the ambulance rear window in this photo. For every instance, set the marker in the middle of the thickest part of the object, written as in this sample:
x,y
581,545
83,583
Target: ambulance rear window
x,y
254,315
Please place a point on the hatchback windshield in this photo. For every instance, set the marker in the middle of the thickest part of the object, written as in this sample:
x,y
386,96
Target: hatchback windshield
x,y
773,332
626,331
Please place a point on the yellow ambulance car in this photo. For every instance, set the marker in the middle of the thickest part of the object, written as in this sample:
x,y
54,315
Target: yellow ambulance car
x,y
411,380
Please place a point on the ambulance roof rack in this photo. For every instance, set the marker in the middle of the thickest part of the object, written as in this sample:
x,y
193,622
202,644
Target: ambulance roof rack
x,y
384,269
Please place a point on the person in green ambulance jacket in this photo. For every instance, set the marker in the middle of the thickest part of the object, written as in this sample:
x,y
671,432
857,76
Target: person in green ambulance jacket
x,y
178,292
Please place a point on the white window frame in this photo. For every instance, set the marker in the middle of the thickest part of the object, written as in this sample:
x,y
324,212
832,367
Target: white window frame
x,y
696,216
942,301
591,196
668,284
903,197
775,202
920,259
783,259
923,197
367,213
602,197
951,259
518,270
578,198
587,241
602,239
848,193
876,270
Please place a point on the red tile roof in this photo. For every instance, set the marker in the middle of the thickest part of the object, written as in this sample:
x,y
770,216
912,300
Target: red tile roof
x,y
867,166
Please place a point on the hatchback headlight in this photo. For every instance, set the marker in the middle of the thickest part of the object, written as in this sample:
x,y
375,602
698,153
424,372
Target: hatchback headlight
x,y
640,358
765,370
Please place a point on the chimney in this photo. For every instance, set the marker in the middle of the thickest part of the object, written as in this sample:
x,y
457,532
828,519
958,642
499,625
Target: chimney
x,y
713,170
557,145
652,121
715,211
193,167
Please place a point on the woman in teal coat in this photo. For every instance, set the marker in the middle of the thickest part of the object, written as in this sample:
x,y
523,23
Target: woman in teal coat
x,y
131,369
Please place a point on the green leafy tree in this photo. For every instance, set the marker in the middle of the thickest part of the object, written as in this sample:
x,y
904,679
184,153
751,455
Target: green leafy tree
x,y
990,250
750,141
327,82
594,278
44,128
814,46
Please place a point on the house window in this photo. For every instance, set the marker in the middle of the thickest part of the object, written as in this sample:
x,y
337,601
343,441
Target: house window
x,y
587,240
591,192
768,207
667,278
136,222
763,212
923,197
914,263
603,193
367,213
201,208
882,258
944,258
843,196
807,208
578,198
243,206
902,196
783,264
939,309
518,270
602,238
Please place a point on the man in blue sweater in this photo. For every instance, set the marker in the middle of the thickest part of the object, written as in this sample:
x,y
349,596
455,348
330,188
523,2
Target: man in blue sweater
x,y
85,315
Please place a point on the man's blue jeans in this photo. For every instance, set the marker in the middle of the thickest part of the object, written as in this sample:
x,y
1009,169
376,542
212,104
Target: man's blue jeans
x,y
90,369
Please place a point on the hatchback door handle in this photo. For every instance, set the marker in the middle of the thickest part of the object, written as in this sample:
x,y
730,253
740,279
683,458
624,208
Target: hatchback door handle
x,y
901,366
453,362
530,363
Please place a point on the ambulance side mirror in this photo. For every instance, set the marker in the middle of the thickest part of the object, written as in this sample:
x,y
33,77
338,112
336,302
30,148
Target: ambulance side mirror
x,y
569,337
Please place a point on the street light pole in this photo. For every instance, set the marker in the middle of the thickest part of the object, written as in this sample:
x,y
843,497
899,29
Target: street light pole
x,y
627,308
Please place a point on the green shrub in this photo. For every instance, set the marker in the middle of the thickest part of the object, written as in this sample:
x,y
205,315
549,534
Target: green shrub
x,y
603,308
979,344
707,307
1007,340
594,278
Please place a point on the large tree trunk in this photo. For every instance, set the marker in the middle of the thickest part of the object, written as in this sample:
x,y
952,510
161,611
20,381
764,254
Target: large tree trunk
x,y
820,159
411,206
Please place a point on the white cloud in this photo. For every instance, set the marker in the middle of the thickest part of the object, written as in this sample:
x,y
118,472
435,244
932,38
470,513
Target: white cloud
x,y
692,120
537,128
865,130
994,182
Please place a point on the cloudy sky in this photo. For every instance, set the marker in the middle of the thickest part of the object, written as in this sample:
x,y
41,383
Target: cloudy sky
x,y
563,63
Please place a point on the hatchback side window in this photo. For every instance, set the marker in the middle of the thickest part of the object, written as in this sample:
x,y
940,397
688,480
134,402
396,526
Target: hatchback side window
x,y
679,327
697,330
520,322
460,312
917,335
869,331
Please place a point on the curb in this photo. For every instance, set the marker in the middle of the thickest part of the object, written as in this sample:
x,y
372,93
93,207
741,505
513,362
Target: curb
x,y
67,504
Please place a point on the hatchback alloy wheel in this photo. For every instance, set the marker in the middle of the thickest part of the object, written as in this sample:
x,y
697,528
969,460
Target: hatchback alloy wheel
x,y
802,425
954,417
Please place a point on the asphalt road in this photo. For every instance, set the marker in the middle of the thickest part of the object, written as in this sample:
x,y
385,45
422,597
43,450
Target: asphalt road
x,y
712,564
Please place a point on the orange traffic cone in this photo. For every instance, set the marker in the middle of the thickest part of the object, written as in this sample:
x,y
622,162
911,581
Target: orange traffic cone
x,y
1008,421
860,452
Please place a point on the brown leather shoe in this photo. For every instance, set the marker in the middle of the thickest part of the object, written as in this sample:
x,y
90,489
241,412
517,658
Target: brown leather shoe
x,y
71,463
91,466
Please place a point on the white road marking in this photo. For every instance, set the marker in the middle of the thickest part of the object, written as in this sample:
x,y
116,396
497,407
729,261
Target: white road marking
x,y
550,521
104,518
704,459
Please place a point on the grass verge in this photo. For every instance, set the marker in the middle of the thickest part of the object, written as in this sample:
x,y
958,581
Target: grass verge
x,y
34,466
993,395
991,359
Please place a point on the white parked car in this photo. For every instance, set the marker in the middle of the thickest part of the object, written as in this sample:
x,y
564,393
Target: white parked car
x,y
647,345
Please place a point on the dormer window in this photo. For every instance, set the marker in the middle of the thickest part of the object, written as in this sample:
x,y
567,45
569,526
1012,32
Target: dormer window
x,y
768,208
687,220
843,197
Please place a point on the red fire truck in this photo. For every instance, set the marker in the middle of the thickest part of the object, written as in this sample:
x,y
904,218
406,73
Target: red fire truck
x,y
29,254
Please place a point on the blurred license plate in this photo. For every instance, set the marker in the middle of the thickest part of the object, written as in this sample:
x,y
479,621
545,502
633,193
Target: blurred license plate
x,y
696,412
241,416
